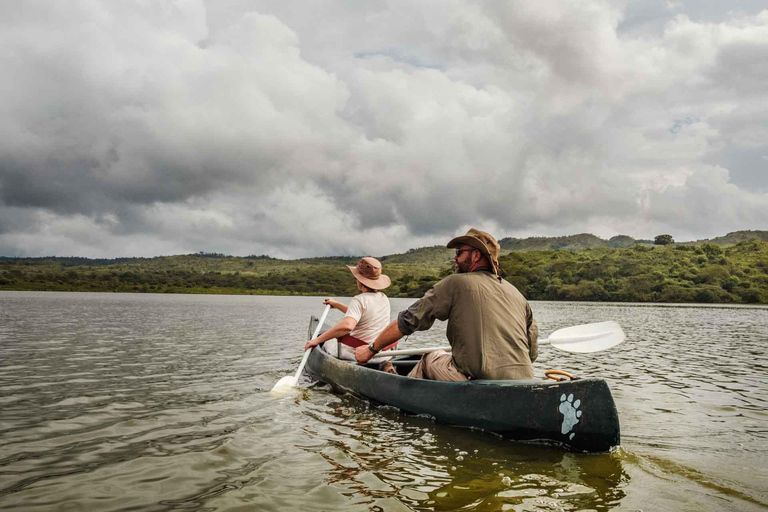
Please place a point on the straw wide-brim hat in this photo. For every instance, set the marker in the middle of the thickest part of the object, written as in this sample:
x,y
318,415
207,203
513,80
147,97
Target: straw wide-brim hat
x,y
368,272
481,241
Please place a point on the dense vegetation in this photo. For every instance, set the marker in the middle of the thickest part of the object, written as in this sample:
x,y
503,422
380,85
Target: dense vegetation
x,y
643,273
209,273
679,273
587,241
571,242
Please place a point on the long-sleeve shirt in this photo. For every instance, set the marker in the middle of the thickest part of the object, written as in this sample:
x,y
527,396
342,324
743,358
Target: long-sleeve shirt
x,y
491,328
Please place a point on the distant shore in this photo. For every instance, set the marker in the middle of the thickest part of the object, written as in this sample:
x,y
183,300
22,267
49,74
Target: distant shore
x,y
677,273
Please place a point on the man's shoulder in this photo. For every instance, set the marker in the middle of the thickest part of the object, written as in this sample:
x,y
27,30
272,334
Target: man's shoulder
x,y
355,302
464,280
484,280
371,298
451,280
465,277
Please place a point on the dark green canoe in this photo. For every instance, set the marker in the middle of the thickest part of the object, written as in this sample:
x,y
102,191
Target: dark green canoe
x,y
578,415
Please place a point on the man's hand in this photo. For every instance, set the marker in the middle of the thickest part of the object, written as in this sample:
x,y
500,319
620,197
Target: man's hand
x,y
388,336
311,343
363,354
333,303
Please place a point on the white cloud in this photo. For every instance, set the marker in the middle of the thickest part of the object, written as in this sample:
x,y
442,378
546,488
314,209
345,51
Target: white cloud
x,y
706,203
177,126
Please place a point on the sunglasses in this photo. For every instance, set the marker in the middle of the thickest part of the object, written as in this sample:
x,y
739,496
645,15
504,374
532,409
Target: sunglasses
x,y
459,251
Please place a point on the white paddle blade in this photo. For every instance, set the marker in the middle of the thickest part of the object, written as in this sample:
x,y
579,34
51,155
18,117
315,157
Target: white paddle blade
x,y
588,337
288,382
284,385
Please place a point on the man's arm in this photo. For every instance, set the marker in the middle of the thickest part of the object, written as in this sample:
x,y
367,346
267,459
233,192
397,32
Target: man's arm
x,y
336,305
434,305
346,326
388,336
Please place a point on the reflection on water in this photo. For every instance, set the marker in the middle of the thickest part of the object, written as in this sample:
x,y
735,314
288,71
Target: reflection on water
x,y
435,467
160,402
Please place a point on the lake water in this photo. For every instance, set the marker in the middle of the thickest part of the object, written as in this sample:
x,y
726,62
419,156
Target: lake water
x,y
161,402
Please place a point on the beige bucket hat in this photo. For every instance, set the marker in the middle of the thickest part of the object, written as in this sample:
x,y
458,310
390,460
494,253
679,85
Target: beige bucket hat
x,y
368,272
481,241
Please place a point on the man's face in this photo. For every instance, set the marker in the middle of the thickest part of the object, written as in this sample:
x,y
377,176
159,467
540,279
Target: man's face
x,y
463,258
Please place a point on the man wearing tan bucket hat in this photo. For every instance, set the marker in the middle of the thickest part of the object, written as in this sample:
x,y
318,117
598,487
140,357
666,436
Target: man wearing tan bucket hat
x,y
365,317
491,328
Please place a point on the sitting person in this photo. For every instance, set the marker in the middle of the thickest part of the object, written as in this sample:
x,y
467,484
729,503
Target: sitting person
x,y
365,317
491,328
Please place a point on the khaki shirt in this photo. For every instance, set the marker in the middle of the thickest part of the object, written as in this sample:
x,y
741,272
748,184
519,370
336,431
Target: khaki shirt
x,y
491,328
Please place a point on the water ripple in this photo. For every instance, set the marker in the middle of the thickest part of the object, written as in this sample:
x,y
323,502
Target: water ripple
x,y
150,402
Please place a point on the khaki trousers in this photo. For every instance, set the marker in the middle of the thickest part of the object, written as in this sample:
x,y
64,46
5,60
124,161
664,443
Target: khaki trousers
x,y
437,365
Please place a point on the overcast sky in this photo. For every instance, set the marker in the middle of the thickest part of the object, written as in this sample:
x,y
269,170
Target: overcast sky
x,y
145,128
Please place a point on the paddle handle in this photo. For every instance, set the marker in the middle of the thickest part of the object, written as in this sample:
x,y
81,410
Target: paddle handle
x,y
578,339
562,342
315,335
411,351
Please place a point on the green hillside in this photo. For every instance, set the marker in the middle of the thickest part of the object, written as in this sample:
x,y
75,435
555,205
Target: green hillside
x,y
735,238
209,273
588,241
706,272
572,242
674,273
435,255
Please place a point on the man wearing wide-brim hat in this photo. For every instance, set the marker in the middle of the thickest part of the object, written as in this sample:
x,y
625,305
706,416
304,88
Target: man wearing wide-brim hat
x,y
365,317
491,328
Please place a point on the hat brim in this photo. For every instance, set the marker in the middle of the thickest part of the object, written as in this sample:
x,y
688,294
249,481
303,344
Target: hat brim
x,y
472,242
374,284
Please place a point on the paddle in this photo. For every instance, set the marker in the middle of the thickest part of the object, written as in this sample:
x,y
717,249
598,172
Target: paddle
x,y
579,338
290,381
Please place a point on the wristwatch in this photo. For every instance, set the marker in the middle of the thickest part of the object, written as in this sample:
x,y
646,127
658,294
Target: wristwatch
x,y
370,347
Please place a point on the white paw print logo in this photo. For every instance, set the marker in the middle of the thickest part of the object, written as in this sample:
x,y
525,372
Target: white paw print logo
x,y
571,413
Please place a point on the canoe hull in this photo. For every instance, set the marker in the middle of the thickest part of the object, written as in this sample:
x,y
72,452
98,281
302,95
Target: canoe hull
x,y
579,415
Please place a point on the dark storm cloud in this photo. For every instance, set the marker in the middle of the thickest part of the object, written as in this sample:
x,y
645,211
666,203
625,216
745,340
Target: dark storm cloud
x,y
372,127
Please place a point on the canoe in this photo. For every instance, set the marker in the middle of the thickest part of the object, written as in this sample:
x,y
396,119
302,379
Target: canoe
x,y
578,415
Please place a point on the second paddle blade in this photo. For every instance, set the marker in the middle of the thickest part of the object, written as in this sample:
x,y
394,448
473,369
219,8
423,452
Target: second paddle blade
x,y
588,337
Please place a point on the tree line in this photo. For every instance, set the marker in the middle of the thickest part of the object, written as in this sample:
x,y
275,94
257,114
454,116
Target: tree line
x,y
665,273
